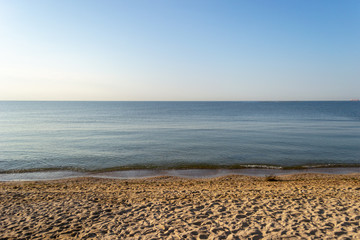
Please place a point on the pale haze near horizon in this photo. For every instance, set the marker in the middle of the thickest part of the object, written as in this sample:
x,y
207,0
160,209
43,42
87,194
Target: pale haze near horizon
x,y
179,50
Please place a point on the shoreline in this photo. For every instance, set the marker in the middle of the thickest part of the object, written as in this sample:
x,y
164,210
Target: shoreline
x,y
229,207
183,173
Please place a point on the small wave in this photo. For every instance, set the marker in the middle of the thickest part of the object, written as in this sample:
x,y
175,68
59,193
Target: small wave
x,y
179,167
50,169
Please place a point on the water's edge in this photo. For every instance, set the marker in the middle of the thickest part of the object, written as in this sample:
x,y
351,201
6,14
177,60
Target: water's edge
x,y
184,173
188,166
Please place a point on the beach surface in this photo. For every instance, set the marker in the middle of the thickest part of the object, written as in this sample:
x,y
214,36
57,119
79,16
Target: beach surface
x,y
302,206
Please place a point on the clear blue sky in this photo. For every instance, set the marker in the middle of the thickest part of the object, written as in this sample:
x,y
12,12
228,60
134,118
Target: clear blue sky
x,y
179,50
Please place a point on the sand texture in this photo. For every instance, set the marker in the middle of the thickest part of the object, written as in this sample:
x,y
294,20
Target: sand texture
x,y
233,207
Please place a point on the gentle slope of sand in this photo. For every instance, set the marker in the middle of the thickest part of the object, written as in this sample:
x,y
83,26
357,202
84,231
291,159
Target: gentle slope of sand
x,y
233,207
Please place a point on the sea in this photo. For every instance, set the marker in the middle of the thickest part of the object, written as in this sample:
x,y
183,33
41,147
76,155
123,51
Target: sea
x,y
59,139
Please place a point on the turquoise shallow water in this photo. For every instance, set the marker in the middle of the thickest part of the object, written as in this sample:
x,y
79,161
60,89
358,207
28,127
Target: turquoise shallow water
x,y
107,136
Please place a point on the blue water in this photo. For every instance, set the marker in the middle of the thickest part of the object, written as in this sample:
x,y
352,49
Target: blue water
x,y
119,135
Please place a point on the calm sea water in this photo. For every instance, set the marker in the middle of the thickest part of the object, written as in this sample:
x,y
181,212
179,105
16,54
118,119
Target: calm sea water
x,y
119,135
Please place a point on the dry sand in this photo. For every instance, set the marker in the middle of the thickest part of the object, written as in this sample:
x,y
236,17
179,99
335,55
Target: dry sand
x,y
233,207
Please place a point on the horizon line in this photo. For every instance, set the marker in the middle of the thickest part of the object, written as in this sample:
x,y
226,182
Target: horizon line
x,y
324,100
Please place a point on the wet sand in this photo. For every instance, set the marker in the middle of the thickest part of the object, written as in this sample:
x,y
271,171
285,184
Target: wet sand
x,y
307,206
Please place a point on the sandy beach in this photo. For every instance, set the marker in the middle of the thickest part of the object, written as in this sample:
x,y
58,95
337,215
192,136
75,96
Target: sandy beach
x,y
304,206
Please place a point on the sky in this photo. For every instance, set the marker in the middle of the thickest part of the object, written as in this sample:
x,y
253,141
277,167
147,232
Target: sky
x,y
179,50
